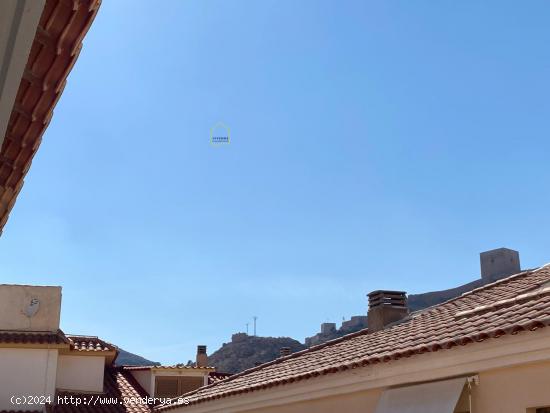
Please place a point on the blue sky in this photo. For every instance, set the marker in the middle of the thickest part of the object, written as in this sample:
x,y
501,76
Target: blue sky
x,y
373,145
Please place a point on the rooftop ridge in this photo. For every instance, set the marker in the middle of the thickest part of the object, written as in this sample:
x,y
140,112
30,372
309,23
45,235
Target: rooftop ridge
x,y
502,280
521,298
91,342
174,367
478,289
27,285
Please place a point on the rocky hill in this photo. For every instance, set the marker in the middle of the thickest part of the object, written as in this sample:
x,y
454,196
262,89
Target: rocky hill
x,y
246,351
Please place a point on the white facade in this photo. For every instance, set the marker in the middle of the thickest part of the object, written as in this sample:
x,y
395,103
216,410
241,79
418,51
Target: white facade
x,y
26,372
145,380
80,373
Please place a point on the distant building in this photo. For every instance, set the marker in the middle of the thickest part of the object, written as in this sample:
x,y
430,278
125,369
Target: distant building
x,y
330,332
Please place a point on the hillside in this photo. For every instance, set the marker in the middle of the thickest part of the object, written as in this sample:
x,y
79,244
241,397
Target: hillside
x,y
246,351
131,359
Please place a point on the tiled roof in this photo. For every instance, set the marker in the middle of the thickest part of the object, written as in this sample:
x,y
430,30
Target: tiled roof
x,y
174,367
24,337
54,51
119,386
19,411
89,343
214,377
437,328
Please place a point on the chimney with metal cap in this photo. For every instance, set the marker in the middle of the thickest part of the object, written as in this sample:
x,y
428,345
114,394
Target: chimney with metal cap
x,y
386,307
202,358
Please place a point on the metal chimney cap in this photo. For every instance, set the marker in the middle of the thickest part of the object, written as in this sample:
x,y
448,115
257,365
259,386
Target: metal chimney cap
x,y
387,292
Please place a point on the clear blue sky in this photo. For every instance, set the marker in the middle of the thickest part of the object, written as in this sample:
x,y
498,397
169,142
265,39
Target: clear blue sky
x,y
374,145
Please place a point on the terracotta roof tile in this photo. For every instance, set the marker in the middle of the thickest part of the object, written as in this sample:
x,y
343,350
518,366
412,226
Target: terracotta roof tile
x,y
174,367
89,343
26,337
55,48
118,386
20,411
214,377
514,304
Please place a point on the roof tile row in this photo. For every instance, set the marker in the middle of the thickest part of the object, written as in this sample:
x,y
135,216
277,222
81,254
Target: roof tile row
x,y
54,51
25,337
174,367
89,343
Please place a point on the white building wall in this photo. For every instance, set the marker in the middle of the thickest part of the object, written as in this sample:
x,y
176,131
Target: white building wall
x,y
144,378
26,372
80,373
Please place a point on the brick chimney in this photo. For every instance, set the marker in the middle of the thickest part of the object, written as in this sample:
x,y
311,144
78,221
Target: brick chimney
x,y
386,307
202,358
285,351
499,263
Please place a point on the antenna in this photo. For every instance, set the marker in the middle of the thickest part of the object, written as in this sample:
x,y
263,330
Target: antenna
x,y
255,318
247,328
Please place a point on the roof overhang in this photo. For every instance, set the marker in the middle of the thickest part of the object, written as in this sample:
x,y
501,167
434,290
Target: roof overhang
x,y
30,93
18,23
171,369
110,355
35,346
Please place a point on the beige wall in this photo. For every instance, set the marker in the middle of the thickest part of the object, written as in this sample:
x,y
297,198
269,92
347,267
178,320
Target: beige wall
x,y
81,373
25,372
174,372
14,299
147,378
513,390
364,402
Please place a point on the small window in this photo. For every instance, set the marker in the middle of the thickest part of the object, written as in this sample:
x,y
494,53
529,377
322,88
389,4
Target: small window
x,y
174,386
166,387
